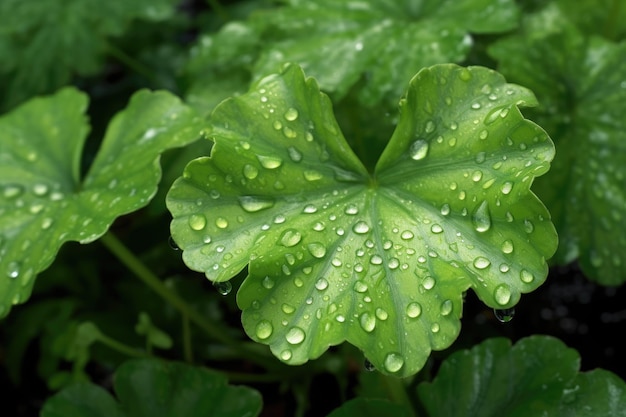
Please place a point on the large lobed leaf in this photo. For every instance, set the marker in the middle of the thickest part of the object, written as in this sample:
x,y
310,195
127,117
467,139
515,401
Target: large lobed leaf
x,y
43,200
381,260
383,41
581,83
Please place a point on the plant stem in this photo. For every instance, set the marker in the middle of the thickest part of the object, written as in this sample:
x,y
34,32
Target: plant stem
x,y
121,347
132,63
144,274
396,391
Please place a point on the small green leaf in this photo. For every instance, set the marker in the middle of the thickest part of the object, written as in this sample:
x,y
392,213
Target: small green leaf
x,y
581,84
378,260
153,388
365,407
44,202
538,375
386,42
153,334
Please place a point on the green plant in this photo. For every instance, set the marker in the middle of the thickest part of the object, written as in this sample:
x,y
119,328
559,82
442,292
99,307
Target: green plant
x,y
290,172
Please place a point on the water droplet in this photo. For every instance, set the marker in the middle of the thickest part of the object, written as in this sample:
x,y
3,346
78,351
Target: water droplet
x,y
285,354
435,328
321,284
393,362
418,150
507,246
290,237
318,250
223,288
268,282
361,228
446,307
253,204
309,209
369,366
502,294
13,269
483,134
295,336
277,125
221,222
312,175
445,209
481,262
428,283
368,322
46,223
264,329
504,315
250,171
360,287
435,228
12,191
376,260
269,162
465,74
528,226
506,187
289,132
381,314
477,176
482,218
41,189
197,222
288,308
172,243
294,154
413,310
407,235
526,276
291,114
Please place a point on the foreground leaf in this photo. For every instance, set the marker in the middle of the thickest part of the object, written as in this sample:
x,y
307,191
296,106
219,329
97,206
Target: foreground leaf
x,y
537,376
365,407
152,388
43,200
581,84
381,260
386,42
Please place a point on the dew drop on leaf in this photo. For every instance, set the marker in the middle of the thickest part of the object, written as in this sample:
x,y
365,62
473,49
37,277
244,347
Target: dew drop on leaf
x,y
312,175
12,191
285,354
197,222
506,187
220,222
264,329
435,228
318,250
526,276
361,228
368,322
504,315
223,288
381,314
502,294
428,283
291,114
418,150
268,283
172,243
507,246
407,235
294,154
446,308
290,237
321,284
295,336
250,171
253,204
482,218
270,162
413,310
481,262
13,269
360,287
393,362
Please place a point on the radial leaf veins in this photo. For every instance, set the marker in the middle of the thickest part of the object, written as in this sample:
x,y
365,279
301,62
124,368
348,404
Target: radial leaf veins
x,y
379,260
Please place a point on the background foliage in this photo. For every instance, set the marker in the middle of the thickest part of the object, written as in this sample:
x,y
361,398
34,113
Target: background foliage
x,y
88,153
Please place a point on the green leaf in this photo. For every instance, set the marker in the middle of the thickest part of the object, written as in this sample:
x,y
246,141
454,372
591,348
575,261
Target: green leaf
x,y
42,45
365,407
153,388
386,42
44,202
581,84
538,375
380,260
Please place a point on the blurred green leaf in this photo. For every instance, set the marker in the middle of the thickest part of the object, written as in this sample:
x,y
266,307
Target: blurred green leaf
x,y
364,407
537,376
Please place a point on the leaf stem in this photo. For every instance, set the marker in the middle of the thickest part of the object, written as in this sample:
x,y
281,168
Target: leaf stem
x,y
121,347
125,256
396,391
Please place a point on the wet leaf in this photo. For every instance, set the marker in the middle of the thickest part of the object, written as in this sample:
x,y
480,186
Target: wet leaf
x,y
581,83
365,407
385,42
381,261
43,200
154,388
538,375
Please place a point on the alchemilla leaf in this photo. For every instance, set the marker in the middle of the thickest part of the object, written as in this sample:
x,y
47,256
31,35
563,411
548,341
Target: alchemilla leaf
x,y
379,260
43,200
